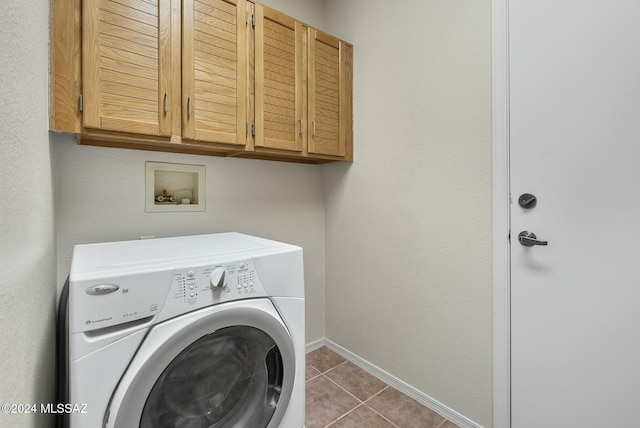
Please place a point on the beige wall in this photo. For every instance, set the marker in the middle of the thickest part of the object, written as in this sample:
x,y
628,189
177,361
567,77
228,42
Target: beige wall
x,y
100,197
408,225
27,247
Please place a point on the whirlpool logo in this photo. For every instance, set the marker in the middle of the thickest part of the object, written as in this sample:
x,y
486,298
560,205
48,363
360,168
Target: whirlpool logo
x,y
89,322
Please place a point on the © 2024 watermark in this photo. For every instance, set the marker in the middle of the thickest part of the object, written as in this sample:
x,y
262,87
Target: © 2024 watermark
x,y
46,408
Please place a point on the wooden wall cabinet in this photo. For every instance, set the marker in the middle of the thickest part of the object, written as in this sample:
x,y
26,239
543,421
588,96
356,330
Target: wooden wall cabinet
x,y
215,77
304,88
126,66
214,71
280,64
330,95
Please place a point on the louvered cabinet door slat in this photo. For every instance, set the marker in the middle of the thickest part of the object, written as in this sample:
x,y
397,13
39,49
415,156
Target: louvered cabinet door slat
x,y
214,71
126,47
280,81
330,95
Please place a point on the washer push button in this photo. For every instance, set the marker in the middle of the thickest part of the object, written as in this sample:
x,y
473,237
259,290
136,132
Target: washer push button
x,y
191,288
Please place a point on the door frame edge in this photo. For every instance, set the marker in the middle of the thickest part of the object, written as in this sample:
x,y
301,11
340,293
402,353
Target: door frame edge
x,y
501,216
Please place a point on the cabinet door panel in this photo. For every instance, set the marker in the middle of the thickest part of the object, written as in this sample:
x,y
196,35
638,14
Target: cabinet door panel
x,y
126,60
214,71
329,95
279,80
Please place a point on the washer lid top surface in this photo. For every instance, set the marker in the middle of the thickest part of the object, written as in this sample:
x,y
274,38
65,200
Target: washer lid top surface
x,y
105,259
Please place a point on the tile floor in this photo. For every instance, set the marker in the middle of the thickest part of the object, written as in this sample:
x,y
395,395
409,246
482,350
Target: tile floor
x,y
342,395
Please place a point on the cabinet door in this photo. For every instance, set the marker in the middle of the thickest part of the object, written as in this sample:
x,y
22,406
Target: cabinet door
x,y
214,71
280,82
330,95
126,47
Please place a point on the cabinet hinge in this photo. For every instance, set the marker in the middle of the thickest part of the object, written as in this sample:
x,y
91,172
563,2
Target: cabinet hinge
x,y
246,129
81,103
253,20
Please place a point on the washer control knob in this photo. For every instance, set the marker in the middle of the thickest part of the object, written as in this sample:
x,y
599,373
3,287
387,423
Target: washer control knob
x,y
217,278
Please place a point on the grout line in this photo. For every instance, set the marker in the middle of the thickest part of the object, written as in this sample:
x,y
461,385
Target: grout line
x,y
336,366
343,416
382,416
331,368
312,378
344,389
378,393
360,402
328,370
444,422
386,385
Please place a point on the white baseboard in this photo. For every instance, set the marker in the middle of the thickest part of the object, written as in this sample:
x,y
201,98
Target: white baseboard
x,y
405,388
315,345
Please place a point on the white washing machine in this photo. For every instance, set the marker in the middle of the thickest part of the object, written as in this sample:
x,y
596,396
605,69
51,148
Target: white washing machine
x,y
187,332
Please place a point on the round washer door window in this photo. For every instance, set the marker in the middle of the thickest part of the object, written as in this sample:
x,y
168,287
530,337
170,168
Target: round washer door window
x,y
229,378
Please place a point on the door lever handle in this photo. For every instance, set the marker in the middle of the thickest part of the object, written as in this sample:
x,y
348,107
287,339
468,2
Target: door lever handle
x,y
527,201
529,239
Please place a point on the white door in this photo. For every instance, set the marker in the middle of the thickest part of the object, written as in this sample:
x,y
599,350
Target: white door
x,y
575,145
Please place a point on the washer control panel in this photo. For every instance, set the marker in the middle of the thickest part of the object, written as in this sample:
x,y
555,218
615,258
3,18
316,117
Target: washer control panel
x,y
199,286
185,286
245,280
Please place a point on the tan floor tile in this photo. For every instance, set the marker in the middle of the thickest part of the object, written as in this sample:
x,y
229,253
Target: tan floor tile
x,y
361,417
326,402
310,372
448,424
356,381
324,359
404,411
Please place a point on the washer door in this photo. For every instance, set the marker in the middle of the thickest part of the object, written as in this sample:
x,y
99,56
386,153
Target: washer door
x,y
223,367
